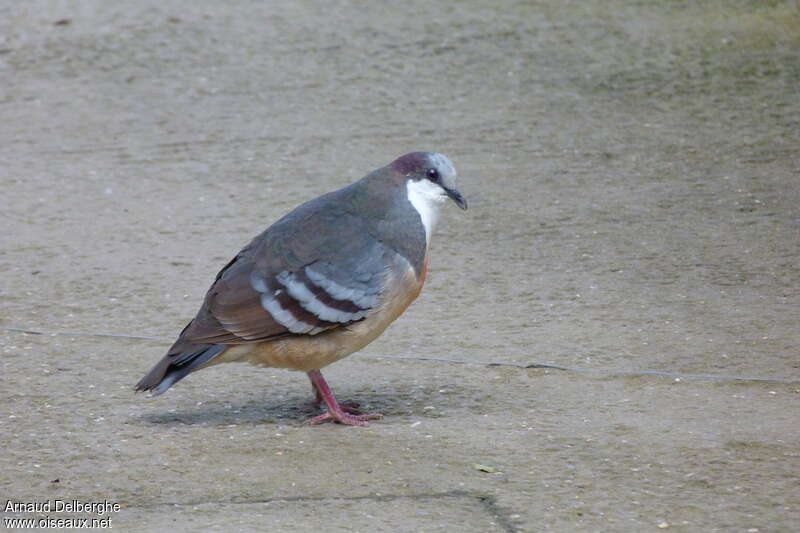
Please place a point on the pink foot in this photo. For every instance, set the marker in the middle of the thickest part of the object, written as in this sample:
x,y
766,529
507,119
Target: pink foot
x,y
346,413
343,418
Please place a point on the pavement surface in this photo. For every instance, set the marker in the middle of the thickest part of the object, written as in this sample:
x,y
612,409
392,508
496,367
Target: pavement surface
x,y
633,175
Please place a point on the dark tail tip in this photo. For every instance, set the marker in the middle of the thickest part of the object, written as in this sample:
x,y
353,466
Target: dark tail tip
x,y
154,377
176,366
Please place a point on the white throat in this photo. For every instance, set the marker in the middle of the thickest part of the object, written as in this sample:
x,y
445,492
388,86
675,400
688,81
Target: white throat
x,y
427,198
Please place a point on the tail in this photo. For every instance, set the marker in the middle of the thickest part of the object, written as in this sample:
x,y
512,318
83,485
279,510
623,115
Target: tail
x,y
181,359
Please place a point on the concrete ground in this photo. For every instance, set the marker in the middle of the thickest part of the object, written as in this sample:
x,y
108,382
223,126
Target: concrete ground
x,y
632,171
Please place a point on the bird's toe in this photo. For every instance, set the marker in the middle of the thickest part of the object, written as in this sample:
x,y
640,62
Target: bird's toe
x,y
344,417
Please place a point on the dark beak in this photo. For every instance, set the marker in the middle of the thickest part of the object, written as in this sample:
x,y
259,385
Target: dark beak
x,y
457,198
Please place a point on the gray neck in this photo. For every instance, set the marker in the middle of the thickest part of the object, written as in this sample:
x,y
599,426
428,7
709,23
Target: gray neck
x,y
381,198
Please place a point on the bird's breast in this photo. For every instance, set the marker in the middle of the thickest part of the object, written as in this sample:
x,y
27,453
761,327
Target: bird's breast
x,y
423,272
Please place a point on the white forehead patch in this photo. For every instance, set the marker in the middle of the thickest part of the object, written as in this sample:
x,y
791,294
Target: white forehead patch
x,y
442,163
427,198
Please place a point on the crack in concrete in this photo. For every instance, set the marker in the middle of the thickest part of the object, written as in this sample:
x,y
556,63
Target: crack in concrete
x,y
487,502
553,366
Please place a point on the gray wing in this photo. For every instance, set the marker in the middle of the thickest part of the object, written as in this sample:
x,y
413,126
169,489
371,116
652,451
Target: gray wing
x,y
315,270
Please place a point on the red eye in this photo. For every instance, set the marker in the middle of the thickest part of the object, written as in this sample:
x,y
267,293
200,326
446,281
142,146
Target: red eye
x,y
433,174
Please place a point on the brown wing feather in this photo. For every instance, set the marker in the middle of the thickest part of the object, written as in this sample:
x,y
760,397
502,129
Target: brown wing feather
x,y
237,307
232,312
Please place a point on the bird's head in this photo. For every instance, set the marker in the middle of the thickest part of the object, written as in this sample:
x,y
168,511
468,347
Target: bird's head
x,y
431,177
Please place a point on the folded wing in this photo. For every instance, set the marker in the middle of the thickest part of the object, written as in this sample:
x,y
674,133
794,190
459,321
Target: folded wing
x,y
313,271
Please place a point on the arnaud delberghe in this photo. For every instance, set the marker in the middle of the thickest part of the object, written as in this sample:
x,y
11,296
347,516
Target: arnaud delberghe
x,y
63,506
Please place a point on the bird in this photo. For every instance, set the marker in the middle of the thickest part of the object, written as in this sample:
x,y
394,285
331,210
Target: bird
x,y
322,282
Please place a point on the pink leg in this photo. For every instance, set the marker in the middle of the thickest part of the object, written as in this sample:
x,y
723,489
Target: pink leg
x,y
347,407
336,412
